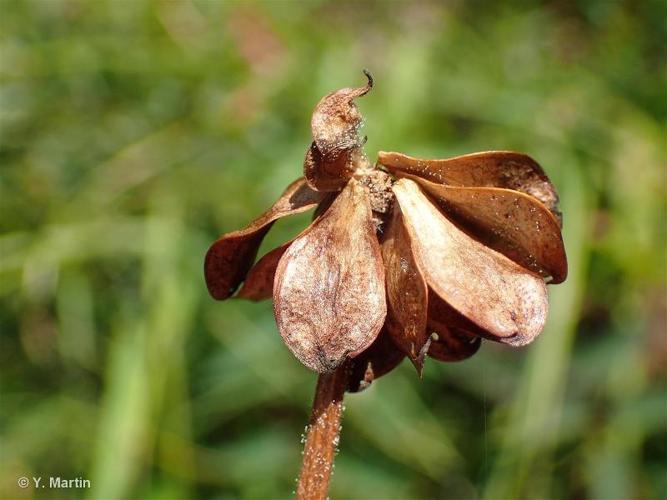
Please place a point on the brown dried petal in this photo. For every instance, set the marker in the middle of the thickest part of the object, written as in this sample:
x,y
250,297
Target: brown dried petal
x,y
379,359
453,344
406,292
258,285
496,294
329,286
512,223
331,158
231,256
503,169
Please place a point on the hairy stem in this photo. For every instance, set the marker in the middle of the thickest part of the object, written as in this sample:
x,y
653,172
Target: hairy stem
x,y
322,436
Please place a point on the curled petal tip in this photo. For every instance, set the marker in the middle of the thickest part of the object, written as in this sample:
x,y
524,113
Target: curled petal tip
x,y
406,293
371,82
337,149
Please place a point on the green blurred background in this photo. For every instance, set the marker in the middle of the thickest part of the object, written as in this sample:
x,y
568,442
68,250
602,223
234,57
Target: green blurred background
x,y
133,134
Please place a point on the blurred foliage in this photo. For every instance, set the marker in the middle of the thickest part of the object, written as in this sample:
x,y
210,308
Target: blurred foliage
x,y
134,133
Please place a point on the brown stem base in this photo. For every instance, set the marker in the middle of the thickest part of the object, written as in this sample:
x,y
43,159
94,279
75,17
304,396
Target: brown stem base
x,y
322,435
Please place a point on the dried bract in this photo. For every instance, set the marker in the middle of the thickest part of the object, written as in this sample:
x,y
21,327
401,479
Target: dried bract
x,y
452,344
228,260
379,359
457,337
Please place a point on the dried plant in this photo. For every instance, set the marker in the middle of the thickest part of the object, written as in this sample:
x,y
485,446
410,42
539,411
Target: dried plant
x,y
407,257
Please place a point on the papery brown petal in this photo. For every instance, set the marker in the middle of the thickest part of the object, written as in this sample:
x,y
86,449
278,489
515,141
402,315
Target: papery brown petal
x,y
512,223
379,359
503,169
231,256
336,149
406,292
483,285
258,285
329,294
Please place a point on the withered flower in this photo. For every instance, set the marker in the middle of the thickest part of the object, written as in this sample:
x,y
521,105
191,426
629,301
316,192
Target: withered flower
x,y
436,254
407,257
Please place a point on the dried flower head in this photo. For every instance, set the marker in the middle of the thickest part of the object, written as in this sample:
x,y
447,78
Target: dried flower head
x,y
407,257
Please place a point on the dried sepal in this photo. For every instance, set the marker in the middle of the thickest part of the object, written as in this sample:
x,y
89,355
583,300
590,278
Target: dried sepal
x,y
503,169
329,293
407,293
483,285
379,359
336,150
511,222
228,259
258,284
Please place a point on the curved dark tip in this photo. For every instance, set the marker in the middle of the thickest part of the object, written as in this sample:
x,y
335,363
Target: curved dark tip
x,y
370,78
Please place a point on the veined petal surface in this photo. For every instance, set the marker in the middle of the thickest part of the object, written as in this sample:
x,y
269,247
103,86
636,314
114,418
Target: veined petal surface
x,y
329,291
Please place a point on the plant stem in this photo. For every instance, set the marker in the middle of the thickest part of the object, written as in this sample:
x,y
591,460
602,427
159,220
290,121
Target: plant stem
x,y
322,435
